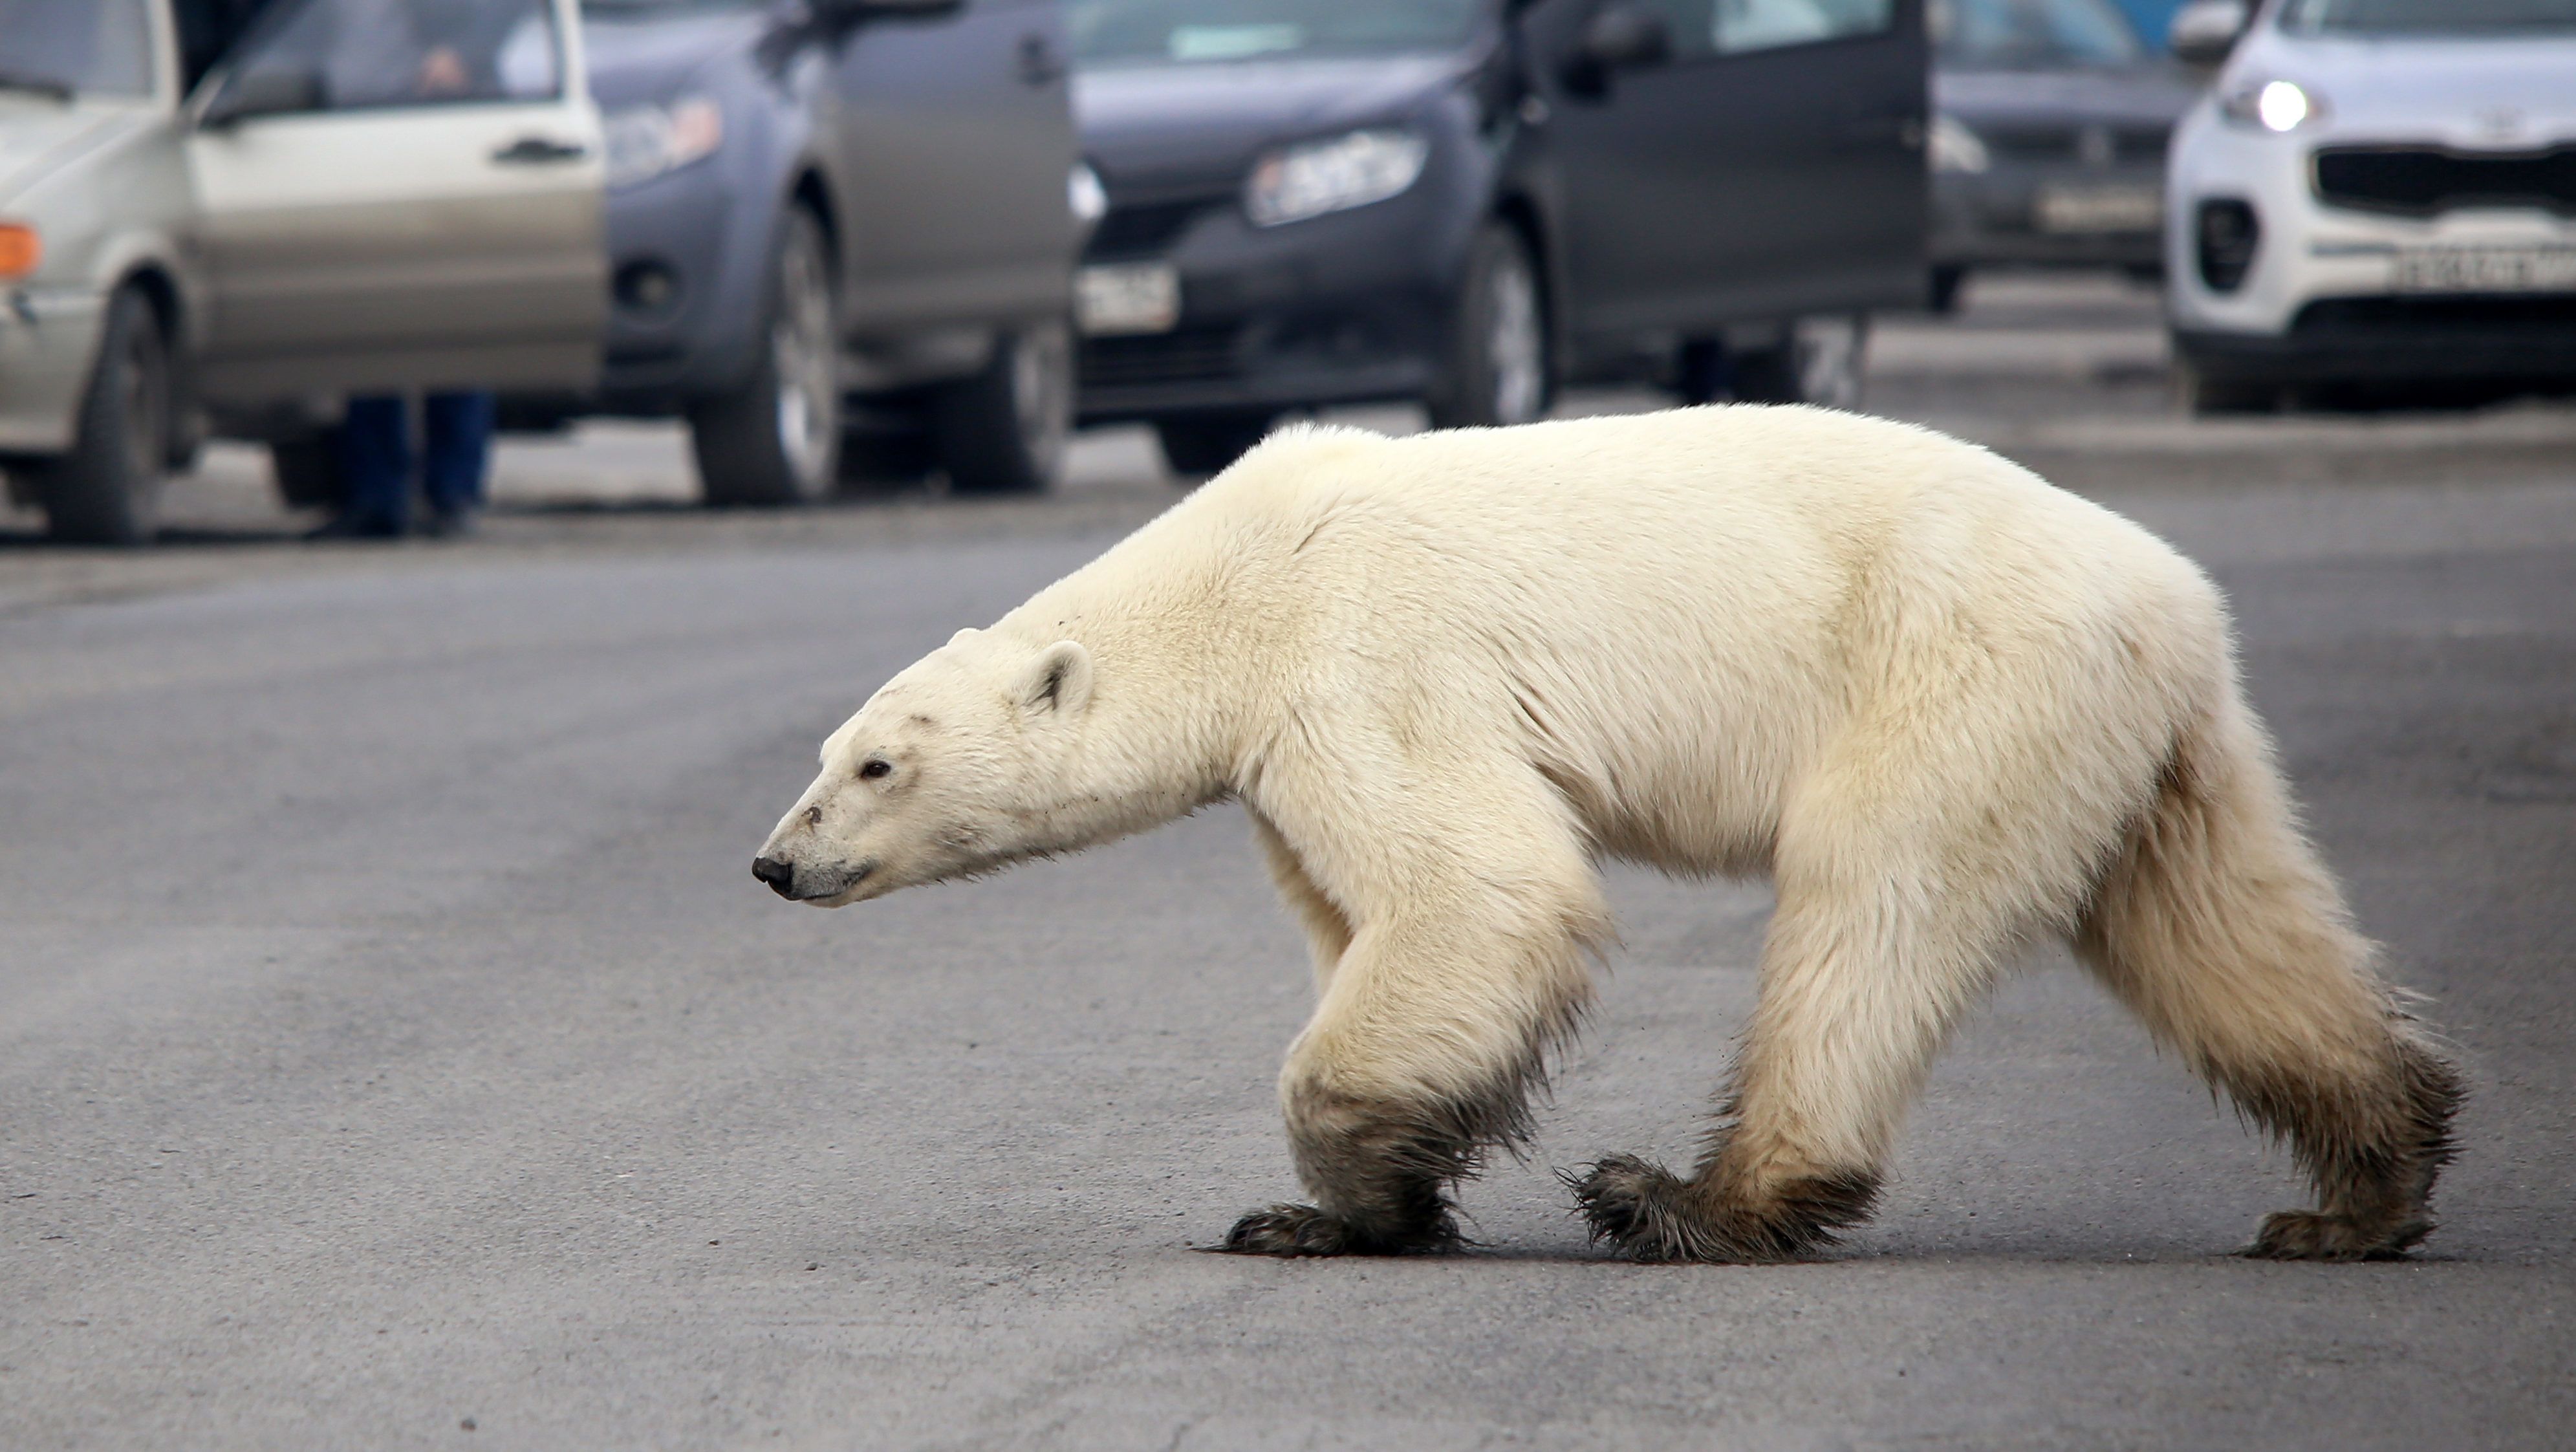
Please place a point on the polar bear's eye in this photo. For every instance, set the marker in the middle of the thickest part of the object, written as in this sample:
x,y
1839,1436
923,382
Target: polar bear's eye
x,y
875,766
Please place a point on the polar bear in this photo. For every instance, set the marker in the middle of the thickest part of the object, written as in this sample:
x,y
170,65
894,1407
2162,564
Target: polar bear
x,y
1946,706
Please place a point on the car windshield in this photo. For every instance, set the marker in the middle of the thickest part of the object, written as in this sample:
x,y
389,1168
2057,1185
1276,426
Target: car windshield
x,y
68,47
2428,17
1198,31
2031,34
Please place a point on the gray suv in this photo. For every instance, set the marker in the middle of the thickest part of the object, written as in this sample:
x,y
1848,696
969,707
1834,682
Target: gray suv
x,y
840,237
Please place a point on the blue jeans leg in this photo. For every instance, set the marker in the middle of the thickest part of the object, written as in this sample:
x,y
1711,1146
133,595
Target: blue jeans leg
x,y
458,427
375,454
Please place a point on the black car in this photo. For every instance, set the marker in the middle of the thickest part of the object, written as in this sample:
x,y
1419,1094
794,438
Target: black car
x,y
2048,138
839,222
1473,202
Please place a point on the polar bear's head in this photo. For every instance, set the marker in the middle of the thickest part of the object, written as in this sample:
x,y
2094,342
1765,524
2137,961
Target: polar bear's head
x,y
961,764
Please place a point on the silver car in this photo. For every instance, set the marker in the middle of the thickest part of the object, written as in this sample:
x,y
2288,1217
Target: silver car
x,y
214,222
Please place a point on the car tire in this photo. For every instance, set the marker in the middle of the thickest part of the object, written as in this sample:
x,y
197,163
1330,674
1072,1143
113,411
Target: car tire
x,y
2205,397
1943,295
1497,368
777,438
1196,445
308,471
1819,363
107,490
1006,430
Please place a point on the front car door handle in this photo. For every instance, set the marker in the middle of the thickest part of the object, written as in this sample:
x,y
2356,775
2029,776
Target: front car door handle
x,y
1039,64
539,151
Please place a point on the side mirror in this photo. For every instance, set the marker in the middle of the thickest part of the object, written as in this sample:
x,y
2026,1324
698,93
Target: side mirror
x,y
2204,31
1620,36
263,93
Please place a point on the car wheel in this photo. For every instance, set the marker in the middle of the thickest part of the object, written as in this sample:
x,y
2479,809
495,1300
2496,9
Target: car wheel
x,y
777,438
108,488
1943,298
1497,369
2203,396
1820,363
1196,445
1005,430
308,472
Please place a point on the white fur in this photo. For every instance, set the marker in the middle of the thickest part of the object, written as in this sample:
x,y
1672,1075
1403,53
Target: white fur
x,y
1927,691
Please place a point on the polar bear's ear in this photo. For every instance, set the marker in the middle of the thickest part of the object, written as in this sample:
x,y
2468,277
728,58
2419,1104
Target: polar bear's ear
x,y
1058,680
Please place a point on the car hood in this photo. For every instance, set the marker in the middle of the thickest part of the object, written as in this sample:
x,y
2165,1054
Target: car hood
x,y
38,135
2151,95
2473,93
1173,125
649,57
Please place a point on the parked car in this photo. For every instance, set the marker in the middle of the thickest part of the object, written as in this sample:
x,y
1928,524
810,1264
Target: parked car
x,y
840,237
1472,202
210,217
2377,199
2049,125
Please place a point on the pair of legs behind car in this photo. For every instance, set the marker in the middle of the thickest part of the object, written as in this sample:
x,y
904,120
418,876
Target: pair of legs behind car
x,y
377,461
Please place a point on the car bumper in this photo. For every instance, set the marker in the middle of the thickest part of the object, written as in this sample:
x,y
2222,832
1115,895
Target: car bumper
x,y
2030,215
2372,338
710,251
48,346
1349,307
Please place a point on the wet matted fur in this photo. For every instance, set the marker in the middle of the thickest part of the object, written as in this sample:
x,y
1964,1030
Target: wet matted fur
x,y
1946,707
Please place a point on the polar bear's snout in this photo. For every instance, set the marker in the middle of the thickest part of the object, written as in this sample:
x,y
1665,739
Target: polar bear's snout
x,y
808,884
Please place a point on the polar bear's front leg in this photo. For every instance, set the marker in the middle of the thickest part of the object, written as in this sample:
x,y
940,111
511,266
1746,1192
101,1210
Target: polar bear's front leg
x,y
1464,961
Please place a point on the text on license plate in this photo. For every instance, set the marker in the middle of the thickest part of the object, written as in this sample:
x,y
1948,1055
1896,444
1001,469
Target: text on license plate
x,y
2486,269
2098,209
1128,297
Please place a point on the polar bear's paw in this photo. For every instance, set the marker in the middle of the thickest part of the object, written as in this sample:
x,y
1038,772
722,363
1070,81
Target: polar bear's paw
x,y
1296,1230
2315,1235
1648,1213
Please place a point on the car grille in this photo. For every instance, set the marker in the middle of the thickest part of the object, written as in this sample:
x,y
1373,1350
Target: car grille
x,y
1143,230
2105,145
2519,315
1186,355
2420,181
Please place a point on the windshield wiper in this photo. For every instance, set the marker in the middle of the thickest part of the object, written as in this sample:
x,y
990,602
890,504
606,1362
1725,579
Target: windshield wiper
x,y
59,90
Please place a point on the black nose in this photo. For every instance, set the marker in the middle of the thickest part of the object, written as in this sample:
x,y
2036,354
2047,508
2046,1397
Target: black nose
x,y
779,874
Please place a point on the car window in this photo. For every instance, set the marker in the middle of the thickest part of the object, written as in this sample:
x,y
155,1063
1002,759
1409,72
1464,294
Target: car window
x,y
2031,34
2428,17
1732,27
1198,31
101,47
385,53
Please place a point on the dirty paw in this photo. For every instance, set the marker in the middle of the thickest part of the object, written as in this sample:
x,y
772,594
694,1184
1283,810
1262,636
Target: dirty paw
x,y
1298,1230
2315,1235
1637,1208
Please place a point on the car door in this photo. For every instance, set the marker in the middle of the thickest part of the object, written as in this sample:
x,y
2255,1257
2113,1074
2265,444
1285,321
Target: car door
x,y
951,136
399,193
1771,167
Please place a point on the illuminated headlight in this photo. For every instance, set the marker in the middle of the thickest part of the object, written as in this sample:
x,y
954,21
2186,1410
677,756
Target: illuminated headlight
x,y
2273,105
1298,182
1956,148
646,141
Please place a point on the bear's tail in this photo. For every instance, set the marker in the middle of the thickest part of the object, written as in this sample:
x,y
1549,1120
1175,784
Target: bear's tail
x,y
2217,924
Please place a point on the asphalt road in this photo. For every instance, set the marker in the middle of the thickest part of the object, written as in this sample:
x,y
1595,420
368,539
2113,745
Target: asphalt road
x,y
395,1050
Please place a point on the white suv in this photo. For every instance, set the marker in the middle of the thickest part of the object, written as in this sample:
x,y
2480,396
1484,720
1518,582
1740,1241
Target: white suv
x,y
2376,193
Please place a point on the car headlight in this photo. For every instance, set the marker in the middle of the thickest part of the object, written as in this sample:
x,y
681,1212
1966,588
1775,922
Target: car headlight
x,y
1084,196
2273,105
1956,148
1315,177
646,141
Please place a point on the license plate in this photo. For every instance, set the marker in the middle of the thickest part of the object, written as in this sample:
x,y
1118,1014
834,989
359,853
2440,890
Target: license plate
x,y
1128,297
2098,209
2486,269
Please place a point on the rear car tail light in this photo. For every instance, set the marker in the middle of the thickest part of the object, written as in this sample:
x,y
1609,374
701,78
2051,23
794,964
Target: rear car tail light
x,y
2225,234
